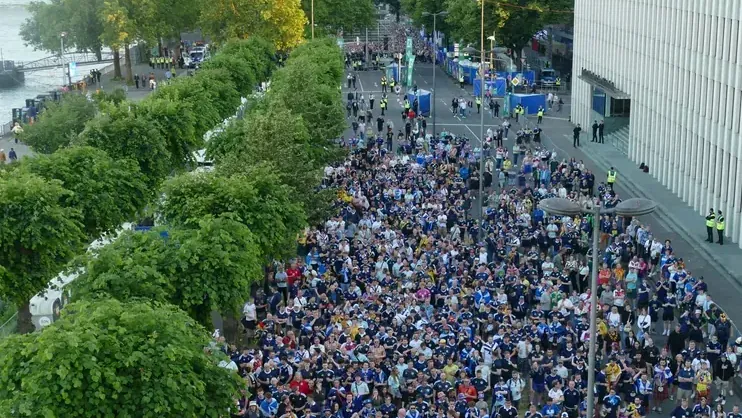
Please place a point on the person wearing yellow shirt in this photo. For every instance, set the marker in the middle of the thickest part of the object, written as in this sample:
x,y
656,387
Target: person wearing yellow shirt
x,y
451,370
507,164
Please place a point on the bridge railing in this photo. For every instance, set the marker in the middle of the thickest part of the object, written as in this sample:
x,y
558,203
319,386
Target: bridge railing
x,y
54,60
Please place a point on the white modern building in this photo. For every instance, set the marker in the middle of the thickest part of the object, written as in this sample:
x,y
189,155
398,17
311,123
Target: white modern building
x,y
667,75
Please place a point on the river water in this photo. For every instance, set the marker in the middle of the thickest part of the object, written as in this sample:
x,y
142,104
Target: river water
x,y
14,13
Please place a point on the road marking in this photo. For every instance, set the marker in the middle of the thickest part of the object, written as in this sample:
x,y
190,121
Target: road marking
x,y
472,132
360,83
555,118
425,81
376,85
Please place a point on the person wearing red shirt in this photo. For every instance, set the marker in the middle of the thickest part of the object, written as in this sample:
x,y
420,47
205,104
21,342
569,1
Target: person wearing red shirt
x,y
469,391
300,383
293,274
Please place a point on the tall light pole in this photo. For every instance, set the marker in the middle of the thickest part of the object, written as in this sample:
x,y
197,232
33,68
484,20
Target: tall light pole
x,y
61,56
442,13
565,207
312,19
481,130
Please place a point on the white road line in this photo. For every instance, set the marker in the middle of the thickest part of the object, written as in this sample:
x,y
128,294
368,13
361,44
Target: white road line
x,y
554,117
360,83
472,132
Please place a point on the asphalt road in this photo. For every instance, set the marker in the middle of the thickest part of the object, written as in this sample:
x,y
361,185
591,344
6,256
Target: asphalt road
x,y
557,135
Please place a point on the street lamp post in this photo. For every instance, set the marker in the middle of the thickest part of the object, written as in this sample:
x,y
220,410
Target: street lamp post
x,y
312,19
480,202
61,56
630,207
435,57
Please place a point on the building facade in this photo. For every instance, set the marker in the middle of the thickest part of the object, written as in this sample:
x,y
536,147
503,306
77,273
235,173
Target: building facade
x,y
669,74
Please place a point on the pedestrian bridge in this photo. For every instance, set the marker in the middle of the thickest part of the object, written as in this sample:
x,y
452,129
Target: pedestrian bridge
x,y
55,61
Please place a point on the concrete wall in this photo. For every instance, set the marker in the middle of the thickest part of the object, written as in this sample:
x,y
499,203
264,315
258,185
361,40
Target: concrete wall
x,y
681,63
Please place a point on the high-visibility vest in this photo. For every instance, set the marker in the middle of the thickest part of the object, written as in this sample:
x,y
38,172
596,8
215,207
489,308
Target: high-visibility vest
x,y
479,101
720,223
611,177
710,220
558,81
461,79
540,113
383,81
382,104
406,104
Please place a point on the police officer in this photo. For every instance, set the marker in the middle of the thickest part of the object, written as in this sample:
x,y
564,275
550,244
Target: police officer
x,y
576,135
383,84
540,114
382,105
710,223
558,83
720,226
611,178
407,105
478,100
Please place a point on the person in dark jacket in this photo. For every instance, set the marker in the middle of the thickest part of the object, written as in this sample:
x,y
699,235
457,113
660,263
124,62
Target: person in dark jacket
x,y
676,341
723,374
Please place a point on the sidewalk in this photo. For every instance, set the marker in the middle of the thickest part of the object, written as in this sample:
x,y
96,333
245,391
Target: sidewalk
x,y
108,84
674,219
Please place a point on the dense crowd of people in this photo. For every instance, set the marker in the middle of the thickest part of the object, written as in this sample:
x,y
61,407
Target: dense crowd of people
x,y
405,305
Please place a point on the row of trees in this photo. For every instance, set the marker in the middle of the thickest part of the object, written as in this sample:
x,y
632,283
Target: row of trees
x,y
92,25
132,343
513,22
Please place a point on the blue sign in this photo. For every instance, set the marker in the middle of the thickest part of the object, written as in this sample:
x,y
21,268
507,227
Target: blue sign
x,y
73,69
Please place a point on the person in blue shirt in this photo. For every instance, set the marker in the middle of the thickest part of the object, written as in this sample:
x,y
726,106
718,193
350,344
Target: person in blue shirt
x,y
550,410
269,406
611,403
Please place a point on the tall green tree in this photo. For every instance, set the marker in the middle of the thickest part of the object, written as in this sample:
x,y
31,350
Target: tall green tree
x,y
107,358
59,124
256,198
80,19
175,121
105,191
514,22
332,16
122,134
417,9
38,236
202,102
208,268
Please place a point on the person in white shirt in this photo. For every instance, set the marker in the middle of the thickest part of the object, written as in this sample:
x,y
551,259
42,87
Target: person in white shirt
x,y
516,386
556,394
249,318
644,322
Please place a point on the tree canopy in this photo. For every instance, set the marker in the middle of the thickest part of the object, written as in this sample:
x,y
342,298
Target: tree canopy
x,y
124,135
203,269
59,123
280,21
106,358
332,16
105,191
38,236
255,197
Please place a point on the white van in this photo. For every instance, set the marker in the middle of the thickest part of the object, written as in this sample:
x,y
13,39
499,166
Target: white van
x,y
47,305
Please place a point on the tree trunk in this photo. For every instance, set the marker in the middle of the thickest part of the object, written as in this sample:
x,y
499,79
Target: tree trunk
x,y
98,53
127,57
159,46
550,46
116,64
25,326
